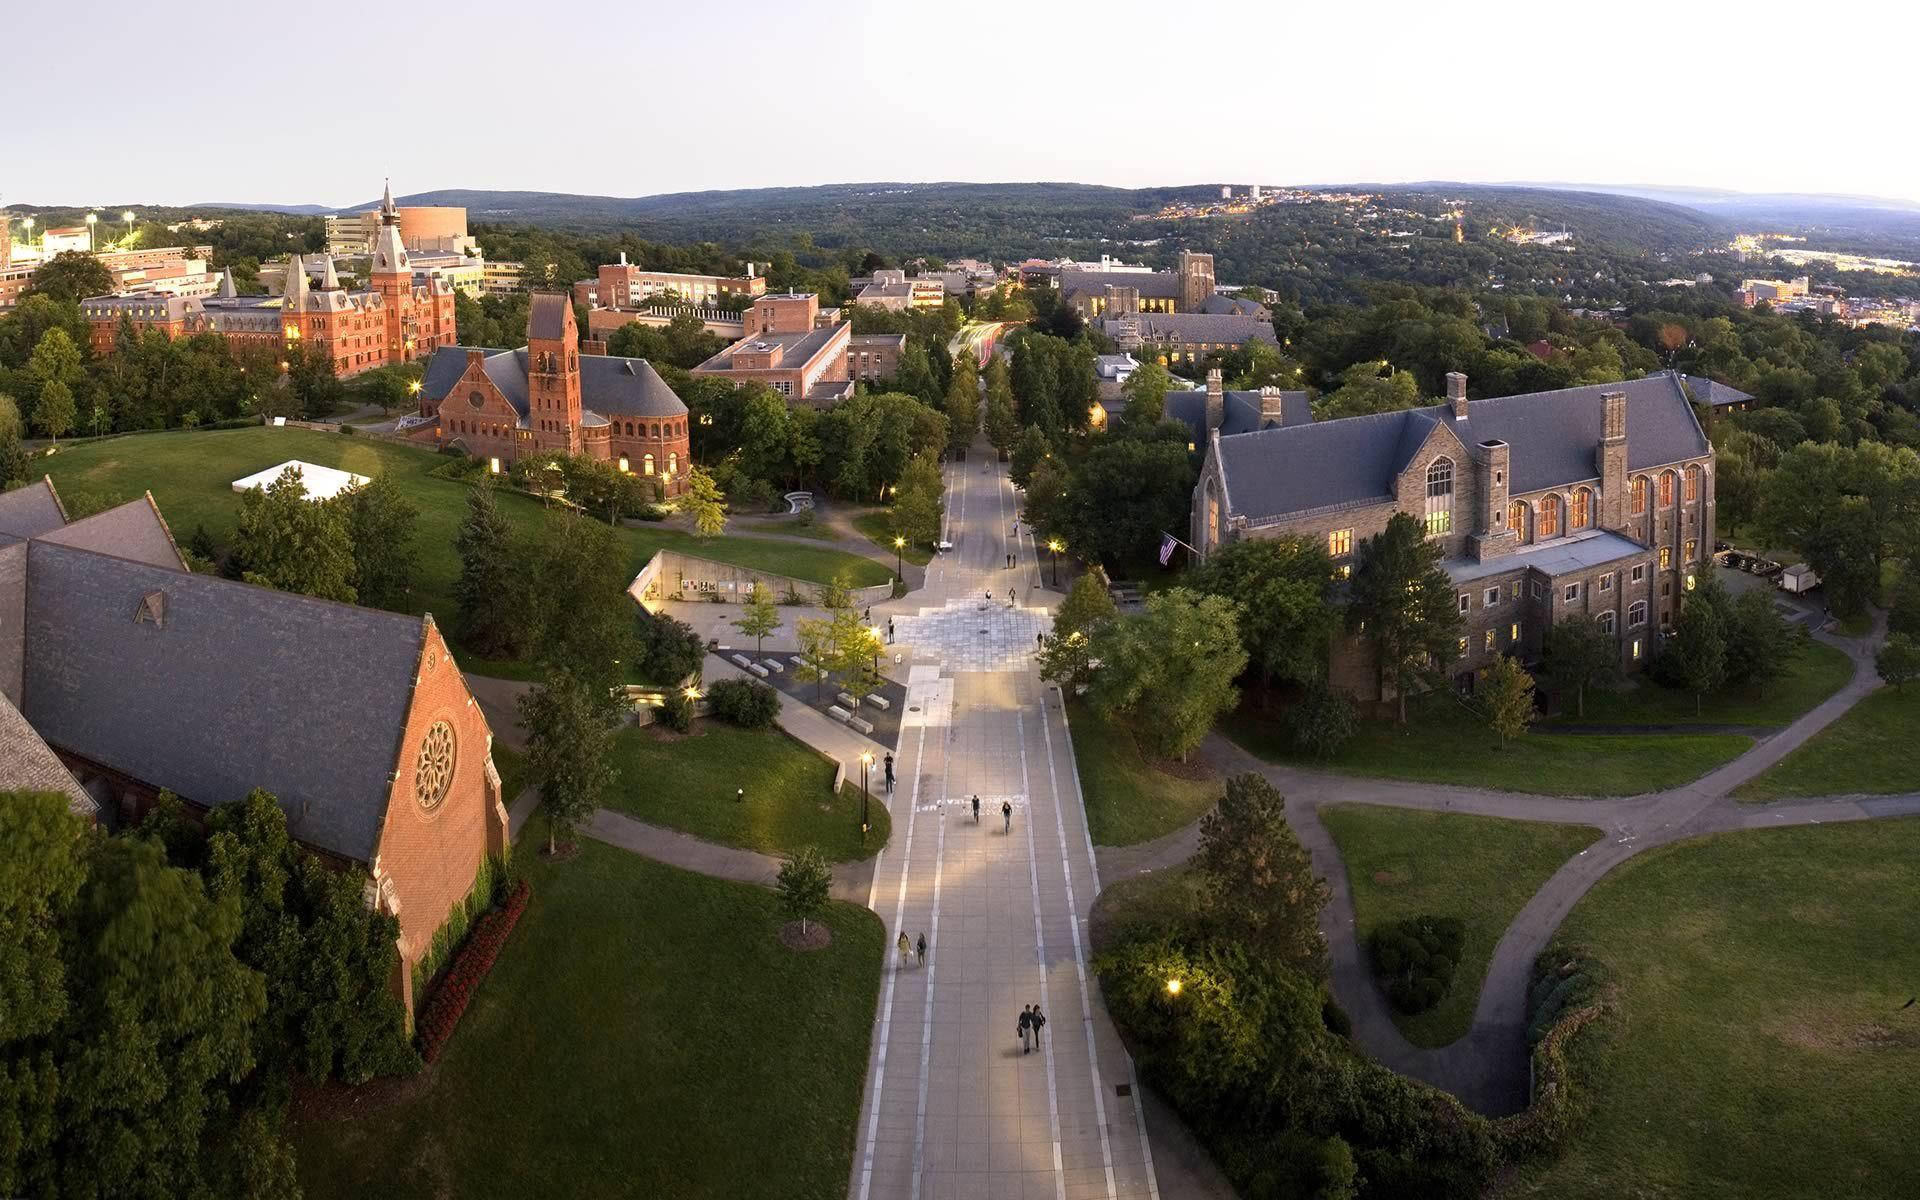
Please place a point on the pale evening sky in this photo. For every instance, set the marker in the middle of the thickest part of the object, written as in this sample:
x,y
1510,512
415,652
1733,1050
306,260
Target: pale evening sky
x,y
291,103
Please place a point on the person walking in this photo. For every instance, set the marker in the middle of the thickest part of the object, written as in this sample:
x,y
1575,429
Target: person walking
x,y
920,949
1026,1031
889,773
1037,1022
1006,813
889,631
976,808
906,948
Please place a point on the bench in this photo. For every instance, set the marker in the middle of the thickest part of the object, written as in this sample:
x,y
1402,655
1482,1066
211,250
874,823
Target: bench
x,y
757,669
840,714
879,701
740,660
847,699
862,726
773,664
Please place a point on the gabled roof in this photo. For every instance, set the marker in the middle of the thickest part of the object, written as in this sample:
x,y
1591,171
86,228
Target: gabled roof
x,y
135,530
622,387
1154,285
30,511
1238,306
1201,328
1552,439
1713,393
27,765
234,687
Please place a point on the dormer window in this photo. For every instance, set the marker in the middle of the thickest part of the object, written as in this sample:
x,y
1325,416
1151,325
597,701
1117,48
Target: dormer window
x,y
152,608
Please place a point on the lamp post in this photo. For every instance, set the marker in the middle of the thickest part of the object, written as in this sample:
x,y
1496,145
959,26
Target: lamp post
x,y
1173,987
27,222
866,760
1055,545
92,219
899,551
128,217
874,631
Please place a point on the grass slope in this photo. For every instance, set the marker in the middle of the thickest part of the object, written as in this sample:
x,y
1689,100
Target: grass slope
x,y
876,525
1442,743
643,1034
1129,797
689,783
1869,749
191,475
1759,1050
1818,671
1483,870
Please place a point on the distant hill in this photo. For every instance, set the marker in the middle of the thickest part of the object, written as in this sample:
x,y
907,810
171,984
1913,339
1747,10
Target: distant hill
x,y
292,210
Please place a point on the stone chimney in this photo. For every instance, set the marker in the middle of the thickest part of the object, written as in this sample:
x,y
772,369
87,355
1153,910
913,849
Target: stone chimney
x,y
1216,400
476,358
1273,406
1122,301
1457,394
1611,460
1491,537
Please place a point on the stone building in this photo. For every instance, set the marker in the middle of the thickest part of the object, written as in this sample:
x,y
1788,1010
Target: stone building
x,y
134,675
503,405
1186,289
1594,500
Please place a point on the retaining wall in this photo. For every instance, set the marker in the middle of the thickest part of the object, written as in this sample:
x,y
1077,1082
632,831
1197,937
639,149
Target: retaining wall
x,y
671,575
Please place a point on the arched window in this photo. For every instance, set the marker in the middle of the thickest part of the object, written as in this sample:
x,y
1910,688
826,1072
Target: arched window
x,y
1517,518
656,430
1440,497
1666,489
1692,492
1582,515
1639,494
1606,620
673,464
646,464
1636,614
1549,523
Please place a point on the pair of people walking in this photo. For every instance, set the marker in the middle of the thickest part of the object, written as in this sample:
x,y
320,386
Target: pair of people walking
x,y
1032,1020
910,950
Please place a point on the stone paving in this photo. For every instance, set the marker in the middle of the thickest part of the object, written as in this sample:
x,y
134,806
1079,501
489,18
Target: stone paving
x,y
953,1105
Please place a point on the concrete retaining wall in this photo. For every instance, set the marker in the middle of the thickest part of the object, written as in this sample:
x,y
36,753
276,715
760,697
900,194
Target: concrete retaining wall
x,y
671,575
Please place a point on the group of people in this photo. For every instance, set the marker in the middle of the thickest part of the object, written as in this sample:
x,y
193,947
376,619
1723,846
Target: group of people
x,y
910,950
1031,1022
1006,813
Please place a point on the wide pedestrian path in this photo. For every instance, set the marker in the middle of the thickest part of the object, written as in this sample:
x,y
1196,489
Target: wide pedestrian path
x,y
954,1106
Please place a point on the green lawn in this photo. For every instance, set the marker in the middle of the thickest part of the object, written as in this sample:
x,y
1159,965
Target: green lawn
x,y
1161,900
1818,671
876,525
1869,749
1129,797
1443,743
191,475
689,783
1483,870
1759,1050
643,1034
512,766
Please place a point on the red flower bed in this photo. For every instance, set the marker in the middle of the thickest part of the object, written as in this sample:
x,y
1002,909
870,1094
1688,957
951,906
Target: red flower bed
x,y
470,965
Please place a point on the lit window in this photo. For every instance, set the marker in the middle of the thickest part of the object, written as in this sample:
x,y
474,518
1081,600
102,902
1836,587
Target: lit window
x,y
625,469
1340,543
1489,641
1344,571
1571,594
1689,580
1636,649
1463,647
1549,522
1666,557
646,464
1640,494
1666,489
493,465
1693,548
1517,518
1582,509
1440,497
1693,484
1513,632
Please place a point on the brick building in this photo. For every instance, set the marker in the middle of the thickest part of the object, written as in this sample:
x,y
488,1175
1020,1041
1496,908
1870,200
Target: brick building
x,y
1594,500
502,405
790,347
1186,289
137,675
624,285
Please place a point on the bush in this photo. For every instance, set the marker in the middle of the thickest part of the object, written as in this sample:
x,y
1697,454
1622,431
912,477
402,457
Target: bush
x,y
1335,1018
345,431
1415,959
473,963
461,469
747,703
1323,721
677,712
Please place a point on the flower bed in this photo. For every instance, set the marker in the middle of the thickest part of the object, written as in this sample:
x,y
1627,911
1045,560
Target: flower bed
x,y
470,966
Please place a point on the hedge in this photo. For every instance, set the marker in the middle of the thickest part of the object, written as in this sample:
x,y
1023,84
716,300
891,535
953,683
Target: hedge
x,y
471,965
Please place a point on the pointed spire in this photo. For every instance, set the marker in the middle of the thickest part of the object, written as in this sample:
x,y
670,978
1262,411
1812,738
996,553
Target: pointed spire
x,y
388,214
331,279
296,289
227,291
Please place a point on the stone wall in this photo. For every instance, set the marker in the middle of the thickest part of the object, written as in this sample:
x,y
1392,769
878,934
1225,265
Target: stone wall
x,y
671,575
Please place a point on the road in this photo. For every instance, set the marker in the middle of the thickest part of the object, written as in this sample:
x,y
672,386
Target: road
x,y
953,1106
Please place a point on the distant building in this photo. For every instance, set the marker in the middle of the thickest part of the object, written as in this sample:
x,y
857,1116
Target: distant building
x,y
1185,337
788,347
894,291
1204,410
624,285
423,228
1184,290
873,356
503,278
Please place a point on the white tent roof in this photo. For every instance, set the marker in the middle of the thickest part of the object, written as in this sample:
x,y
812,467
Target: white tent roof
x,y
322,483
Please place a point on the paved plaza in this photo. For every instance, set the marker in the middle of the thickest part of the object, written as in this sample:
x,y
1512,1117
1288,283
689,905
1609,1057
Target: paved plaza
x,y
953,1106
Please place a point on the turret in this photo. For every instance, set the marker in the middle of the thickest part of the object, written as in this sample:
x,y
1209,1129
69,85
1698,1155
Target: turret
x,y
296,288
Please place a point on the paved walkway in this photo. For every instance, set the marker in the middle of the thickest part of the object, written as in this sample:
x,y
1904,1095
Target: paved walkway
x,y
953,1107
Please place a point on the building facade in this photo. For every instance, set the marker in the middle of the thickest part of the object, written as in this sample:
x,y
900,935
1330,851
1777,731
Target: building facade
x,y
504,405
790,346
1595,500
624,285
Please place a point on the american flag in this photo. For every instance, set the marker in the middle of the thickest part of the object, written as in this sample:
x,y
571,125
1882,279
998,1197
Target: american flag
x,y
1167,543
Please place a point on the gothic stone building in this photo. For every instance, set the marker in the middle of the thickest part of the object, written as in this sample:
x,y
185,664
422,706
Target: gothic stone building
x,y
137,675
1591,500
503,405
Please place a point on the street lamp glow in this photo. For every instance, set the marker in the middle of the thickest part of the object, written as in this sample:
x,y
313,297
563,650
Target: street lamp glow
x,y
693,693
899,543
1173,987
866,757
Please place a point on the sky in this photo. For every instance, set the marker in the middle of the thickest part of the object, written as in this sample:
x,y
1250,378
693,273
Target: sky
x,y
298,104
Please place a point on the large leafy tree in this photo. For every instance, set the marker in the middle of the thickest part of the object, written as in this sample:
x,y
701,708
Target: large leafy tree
x,y
286,541
71,275
963,402
489,589
1369,387
380,523
1284,587
1506,694
758,616
1761,643
918,503
1080,624
1699,650
1146,392
570,723
1171,669
580,613
1579,654
1257,878
1404,605
1125,493
1003,425
704,502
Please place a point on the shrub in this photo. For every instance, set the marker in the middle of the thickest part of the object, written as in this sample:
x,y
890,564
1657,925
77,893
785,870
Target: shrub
x,y
1415,959
1568,992
470,966
676,713
1335,1018
345,431
1323,721
747,703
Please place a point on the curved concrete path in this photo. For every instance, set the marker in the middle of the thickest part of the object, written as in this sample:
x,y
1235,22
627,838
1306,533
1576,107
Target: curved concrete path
x,y
1488,1067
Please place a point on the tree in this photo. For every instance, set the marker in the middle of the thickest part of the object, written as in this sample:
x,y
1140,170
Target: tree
x,y
71,275
1761,643
1898,661
578,610
314,390
1844,549
1579,653
54,414
1323,720
758,616
1284,587
1256,878
1171,668
489,590
1404,604
1699,650
666,651
380,523
705,503
1029,451
1146,392
570,724
804,882
1124,494
287,542
817,653
1369,387
13,456
1002,425
1079,625
963,403
1506,691
918,503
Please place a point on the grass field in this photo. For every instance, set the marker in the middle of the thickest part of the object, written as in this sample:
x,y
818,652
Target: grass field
x,y
876,526
1759,1050
1818,671
1131,798
1443,743
688,783
1869,749
191,473
1483,870
643,1034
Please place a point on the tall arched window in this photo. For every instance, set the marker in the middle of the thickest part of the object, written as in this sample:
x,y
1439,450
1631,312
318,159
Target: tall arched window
x,y
646,464
1666,489
1549,522
1692,491
1639,494
673,464
1440,497
1517,518
1582,515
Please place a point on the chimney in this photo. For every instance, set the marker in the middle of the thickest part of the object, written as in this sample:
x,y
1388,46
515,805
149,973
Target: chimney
x,y
1216,400
475,358
1457,394
1613,416
1273,406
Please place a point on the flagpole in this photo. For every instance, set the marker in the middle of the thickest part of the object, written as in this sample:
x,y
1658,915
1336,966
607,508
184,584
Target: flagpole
x,y
1171,538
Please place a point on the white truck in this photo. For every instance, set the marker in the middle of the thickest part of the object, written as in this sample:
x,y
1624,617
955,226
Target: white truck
x,y
1799,578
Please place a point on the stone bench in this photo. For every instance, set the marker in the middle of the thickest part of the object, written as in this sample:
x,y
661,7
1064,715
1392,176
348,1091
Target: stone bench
x,y
862,726
847,699
879,701
840,714
757,669
741,661
772,664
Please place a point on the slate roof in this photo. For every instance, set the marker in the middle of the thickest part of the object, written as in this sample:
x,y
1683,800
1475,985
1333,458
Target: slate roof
x,y
1571,555
1193,329
32,510
27,765
1552,437
1713,393
625,387
1152,285
135,531
237,687
547,316
1238,306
